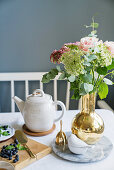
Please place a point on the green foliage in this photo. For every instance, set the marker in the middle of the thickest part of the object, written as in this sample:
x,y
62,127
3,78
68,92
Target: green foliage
x,y
107,81
58,68
101,70
75,87
94,25
93,32
5,133
9,147
62,76
21,147
72,78
85,88
91,57
49,76
110,67
102,90
86,78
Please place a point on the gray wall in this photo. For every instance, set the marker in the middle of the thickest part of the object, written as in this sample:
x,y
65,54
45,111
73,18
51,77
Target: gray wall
x,y
31,29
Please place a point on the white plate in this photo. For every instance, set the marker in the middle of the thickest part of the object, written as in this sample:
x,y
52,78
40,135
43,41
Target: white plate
x,y
11,131
6,165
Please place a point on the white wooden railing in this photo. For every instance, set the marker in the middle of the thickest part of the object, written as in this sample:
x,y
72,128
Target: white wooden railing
x,y
30,76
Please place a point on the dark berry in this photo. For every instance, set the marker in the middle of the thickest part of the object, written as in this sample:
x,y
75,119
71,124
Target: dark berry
x,y
16,148
17,157
10,157
11,144
3,150
13,149
14,153
8,152
14,145
15,160
16,141
6,156
4,147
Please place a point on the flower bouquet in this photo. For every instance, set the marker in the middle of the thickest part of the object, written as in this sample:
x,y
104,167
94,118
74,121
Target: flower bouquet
x,y
86,65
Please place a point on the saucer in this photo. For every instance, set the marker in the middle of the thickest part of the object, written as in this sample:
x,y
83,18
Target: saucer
x,y
96,152
11,131
29,132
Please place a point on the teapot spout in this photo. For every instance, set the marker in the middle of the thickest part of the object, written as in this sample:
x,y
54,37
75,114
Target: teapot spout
x,y
20,103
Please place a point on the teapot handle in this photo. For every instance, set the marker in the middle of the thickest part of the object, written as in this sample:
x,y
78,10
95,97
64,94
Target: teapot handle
x,y
63,109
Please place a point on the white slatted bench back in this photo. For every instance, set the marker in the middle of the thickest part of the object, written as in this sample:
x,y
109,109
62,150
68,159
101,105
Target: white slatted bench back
x,y
31,76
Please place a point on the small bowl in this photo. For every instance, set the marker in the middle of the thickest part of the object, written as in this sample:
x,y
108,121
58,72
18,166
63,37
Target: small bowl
x,y
6,166
77,150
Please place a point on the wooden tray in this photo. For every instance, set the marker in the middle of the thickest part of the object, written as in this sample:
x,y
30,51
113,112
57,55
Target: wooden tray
x,y
40,150
28,132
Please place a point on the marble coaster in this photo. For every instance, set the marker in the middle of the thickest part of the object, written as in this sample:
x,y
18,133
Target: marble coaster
x,y
97,152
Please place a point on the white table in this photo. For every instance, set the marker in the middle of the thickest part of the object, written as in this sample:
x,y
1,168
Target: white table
x,y
51,161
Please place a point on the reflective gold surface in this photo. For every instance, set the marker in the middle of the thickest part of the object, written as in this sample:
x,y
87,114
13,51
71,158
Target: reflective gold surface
x,y
61,137
88,125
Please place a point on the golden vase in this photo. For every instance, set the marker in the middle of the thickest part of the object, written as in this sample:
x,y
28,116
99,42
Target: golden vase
x,y
88,125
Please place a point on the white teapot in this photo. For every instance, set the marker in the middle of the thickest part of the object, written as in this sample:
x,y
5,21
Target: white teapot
x,y
39,111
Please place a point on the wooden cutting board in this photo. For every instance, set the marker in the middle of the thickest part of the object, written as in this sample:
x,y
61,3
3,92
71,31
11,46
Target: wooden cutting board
x,y
40,150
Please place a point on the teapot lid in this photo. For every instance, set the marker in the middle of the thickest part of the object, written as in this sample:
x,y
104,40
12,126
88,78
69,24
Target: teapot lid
x,y
39,96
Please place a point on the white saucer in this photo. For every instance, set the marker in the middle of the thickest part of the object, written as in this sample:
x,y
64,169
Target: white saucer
x,y
11,131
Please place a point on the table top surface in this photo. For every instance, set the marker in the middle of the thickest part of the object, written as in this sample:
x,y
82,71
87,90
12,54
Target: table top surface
x,y
52,161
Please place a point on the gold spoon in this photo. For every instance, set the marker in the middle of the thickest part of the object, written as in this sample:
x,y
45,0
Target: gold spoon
x,y
61,137
21,137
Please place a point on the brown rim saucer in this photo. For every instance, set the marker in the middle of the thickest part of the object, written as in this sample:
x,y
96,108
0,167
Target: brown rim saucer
x,y
28,132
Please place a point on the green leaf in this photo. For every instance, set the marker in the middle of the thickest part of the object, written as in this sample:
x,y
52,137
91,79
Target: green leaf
x,y
62,76
93,32
86,63
58,68
94,24
21,147
45,79
5,133
9,147
88,69
54,71
72,78
88,87
107,81
102,90
76,95
91,58
110,67
82,91
49,76
86,78
101,70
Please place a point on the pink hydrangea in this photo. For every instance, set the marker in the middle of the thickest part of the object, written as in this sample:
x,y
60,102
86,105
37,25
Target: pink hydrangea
x,y
87,42
110,46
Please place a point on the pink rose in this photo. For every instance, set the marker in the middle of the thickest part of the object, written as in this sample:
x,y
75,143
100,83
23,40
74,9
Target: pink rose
x,y
87,42
110,46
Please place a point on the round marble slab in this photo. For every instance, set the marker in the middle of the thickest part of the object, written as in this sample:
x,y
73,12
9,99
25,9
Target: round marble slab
x,y
97,152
